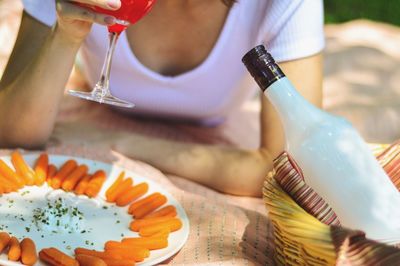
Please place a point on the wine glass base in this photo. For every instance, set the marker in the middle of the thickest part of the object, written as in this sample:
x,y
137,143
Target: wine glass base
x,y
108,99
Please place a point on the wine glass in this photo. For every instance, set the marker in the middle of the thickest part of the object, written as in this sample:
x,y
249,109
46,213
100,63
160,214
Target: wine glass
x,y
129,13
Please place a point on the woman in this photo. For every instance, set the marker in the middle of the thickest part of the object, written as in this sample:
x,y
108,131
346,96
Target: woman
x,y
182,61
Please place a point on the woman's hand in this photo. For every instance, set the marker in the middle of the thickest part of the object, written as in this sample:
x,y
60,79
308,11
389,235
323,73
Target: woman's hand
x,y
76,21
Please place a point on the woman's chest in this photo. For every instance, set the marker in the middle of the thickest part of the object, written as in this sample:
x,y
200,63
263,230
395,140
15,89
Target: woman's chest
x,y
171,42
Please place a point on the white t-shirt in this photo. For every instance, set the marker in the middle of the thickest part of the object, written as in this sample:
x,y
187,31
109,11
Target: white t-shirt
x,y
290,29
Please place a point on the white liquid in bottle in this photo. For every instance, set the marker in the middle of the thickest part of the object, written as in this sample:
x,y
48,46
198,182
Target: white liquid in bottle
x,y
335,160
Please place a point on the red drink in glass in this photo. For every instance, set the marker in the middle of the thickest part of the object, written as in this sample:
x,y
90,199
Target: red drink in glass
x,y
129,13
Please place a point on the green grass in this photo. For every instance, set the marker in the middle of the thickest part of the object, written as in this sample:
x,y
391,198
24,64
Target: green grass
x,y
337,11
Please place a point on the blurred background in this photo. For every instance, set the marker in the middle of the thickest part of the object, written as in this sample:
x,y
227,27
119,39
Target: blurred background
x,y
362,65
338,11
361,69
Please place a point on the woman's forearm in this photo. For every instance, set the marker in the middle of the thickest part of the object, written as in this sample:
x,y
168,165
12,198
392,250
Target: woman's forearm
x,y
229,170
29,103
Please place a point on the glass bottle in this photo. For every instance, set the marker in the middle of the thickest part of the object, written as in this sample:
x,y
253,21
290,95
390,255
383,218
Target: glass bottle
x,y
335,160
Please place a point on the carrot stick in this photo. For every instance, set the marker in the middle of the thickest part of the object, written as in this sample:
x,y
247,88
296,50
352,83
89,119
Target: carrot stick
x,y
163,233
132,194
64,171
41,169
98,254
139,223
168,211
149,207
110,193
14,253
115,262
95,183
22,168
28,252
10,175
7,185
139,203
151,243
4,240
82,185
112,257
87,260
122,188
51,172
135,253
55,257
174,224
2,188
73,178
112,245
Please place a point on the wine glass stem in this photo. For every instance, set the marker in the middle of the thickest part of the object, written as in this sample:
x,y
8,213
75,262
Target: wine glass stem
x,y
102,87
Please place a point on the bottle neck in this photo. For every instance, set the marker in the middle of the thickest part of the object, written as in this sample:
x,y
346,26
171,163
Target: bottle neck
x,y
262,67
296,113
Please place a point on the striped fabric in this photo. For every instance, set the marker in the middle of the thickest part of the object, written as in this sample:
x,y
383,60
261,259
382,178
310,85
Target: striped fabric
x,y
306,229
290,178
354,249
389,160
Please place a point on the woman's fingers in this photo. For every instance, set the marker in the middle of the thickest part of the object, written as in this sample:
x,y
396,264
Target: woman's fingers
x,y
107,4
68,10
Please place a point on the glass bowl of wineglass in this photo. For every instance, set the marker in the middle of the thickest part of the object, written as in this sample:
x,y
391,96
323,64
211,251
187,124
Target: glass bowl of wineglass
x,y
129,13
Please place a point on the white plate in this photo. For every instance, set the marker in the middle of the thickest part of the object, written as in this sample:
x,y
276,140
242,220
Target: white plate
x,y
111,223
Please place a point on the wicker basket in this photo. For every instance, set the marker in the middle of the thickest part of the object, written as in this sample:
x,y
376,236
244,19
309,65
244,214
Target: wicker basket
x,y
302,239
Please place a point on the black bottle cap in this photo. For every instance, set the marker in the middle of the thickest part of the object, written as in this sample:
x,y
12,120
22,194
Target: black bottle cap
x,y
262,66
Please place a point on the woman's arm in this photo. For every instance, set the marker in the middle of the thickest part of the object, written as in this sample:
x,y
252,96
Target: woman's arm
x,y
229,170
40,64
226,169
33,83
